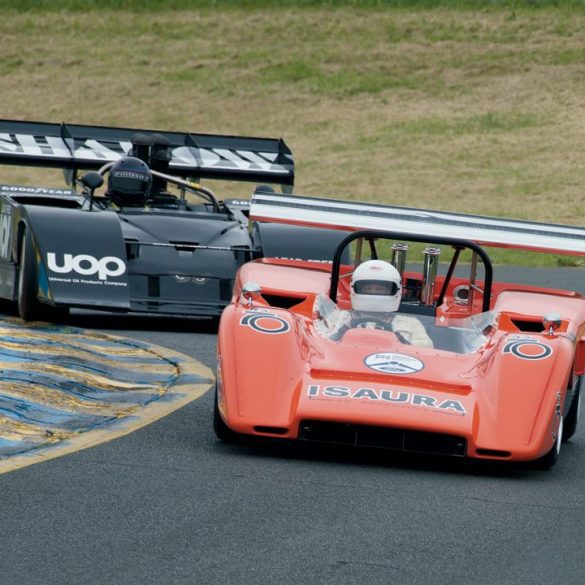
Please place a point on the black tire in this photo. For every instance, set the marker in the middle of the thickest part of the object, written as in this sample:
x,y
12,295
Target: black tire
x,y
547,461
211,324
28,304
222,431
572,418
29,307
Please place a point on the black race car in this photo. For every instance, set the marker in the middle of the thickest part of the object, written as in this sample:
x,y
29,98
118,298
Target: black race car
x,y
153,239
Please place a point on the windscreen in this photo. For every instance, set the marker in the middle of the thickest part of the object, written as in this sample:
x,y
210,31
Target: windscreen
x,y
462,336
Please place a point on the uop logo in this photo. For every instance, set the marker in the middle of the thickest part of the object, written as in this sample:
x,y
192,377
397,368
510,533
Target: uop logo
x,y
87,265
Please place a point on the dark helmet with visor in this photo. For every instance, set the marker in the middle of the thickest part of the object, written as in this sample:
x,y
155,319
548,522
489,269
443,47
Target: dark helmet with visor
x,y
129,182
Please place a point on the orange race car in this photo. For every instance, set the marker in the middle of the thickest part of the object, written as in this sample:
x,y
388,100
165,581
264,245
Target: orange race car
x,y
365,351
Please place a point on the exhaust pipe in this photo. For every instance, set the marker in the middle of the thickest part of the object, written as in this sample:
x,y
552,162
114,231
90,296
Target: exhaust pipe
x,y
430,266
399,251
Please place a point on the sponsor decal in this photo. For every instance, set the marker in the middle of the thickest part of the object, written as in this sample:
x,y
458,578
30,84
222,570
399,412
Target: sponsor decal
x,y
55,147
128,175
224,158
528,348
182,156
86,265
386,396
5,222
34,190
393,363
304,259
264,322
237,202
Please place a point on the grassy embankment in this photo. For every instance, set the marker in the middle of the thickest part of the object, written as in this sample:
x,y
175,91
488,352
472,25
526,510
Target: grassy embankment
x,y
440,105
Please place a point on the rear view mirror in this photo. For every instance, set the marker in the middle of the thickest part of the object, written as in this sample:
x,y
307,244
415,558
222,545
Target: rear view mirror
x,y
251,291
551,322
91,180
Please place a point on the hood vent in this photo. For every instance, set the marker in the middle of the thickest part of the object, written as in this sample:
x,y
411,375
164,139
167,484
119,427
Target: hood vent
x,y
531,326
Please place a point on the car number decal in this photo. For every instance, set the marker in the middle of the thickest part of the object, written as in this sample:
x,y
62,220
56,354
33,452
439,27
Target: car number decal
x,y
265,322
528,349
393,363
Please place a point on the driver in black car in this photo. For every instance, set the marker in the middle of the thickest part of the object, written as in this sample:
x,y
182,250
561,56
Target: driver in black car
x,y
129,182
376,291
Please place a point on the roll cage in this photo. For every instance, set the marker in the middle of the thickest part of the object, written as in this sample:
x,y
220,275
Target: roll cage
x,y
416,303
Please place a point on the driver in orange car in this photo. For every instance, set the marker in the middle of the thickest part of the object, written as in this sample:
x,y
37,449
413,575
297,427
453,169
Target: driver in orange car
x,y
376,291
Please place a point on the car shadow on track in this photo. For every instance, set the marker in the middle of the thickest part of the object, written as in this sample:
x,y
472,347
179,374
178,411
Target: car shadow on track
x,y
136,322
131,322
382,458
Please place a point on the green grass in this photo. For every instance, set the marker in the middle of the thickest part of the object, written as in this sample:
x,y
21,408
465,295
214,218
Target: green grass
x,y
337,82
474,124
467,106
170,5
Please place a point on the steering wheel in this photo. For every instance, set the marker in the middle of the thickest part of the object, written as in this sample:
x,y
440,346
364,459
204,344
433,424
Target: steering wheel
x,y
379,324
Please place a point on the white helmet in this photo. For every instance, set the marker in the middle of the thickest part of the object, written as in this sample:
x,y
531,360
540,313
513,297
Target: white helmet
x,y
376,286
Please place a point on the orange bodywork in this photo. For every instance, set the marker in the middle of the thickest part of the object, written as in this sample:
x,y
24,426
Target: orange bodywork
x,y
501,401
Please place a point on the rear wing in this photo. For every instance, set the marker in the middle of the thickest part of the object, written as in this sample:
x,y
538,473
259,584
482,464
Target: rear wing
x,y
74,147
349,215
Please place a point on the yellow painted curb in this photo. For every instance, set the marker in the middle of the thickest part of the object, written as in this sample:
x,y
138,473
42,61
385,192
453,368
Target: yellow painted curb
x,y
190,380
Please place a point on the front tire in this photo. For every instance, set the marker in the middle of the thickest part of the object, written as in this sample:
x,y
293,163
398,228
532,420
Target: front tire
x,y
549,460
572,418
29,307
222,431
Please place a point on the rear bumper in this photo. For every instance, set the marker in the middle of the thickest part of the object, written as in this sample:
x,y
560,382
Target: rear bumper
x,y
166,295
191,308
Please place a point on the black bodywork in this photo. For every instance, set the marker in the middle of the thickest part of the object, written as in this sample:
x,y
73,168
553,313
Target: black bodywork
x,y
62,248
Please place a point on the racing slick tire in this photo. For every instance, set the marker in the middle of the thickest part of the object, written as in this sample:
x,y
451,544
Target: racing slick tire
x,y
548,460
29,307
222,431
572,417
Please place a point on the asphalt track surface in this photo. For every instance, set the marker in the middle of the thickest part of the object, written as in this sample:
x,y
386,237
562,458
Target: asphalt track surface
x,y
169,504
